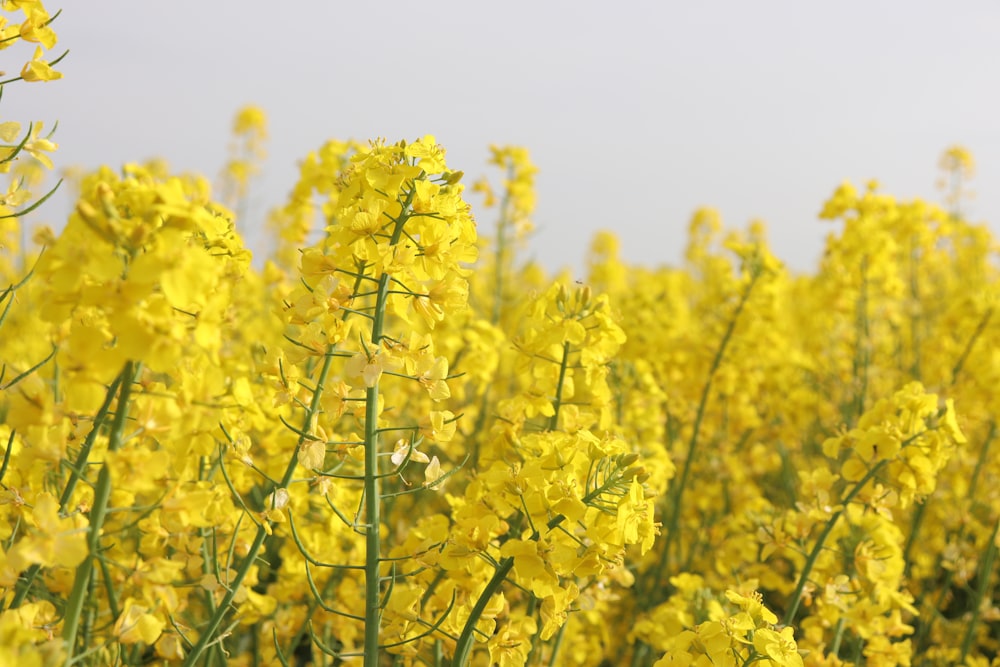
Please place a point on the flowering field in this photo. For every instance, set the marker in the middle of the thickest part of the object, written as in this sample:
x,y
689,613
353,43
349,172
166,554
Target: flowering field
x,y
391,442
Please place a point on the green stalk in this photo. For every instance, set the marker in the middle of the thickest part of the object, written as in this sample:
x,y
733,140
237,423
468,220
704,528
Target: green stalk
x,y
98,512
463,648
557,644
640,653
821,541
501,256
208,632
915,322
373,493
373,544
968,346
916,523
557,403
985,571
925,627
862,353
673,523
838,636
81,460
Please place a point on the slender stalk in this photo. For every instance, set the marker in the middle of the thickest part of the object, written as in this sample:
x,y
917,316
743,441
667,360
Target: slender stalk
x,y
821,541
968,346
673,523
640,654
557,403
463,648
373,546
862,350
915,322
925,627
557,644
24,585
373,497
838,636
102,493
208,632
985,572
501,255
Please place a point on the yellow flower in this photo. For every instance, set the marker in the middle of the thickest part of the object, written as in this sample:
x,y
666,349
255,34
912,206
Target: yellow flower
x,y
635,518
136,624
753,605
778,646
429,154
54,541
38,146
36,26
365,368
433,472
405,449
37,69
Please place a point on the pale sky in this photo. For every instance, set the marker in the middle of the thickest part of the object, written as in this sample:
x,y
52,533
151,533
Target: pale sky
x,y
636,113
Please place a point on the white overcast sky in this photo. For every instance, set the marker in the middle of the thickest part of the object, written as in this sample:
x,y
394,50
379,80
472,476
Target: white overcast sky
x,y
635,112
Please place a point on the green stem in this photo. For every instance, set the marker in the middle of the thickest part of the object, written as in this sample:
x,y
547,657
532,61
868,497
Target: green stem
x,y
916,523
968,346
673,523
463,649
88,444
373,497
862,352
915,322
640,654
98,512
208,632
373,546
985,571
838,636
557,403
557,644
75,472
821,541
501,256
926,625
